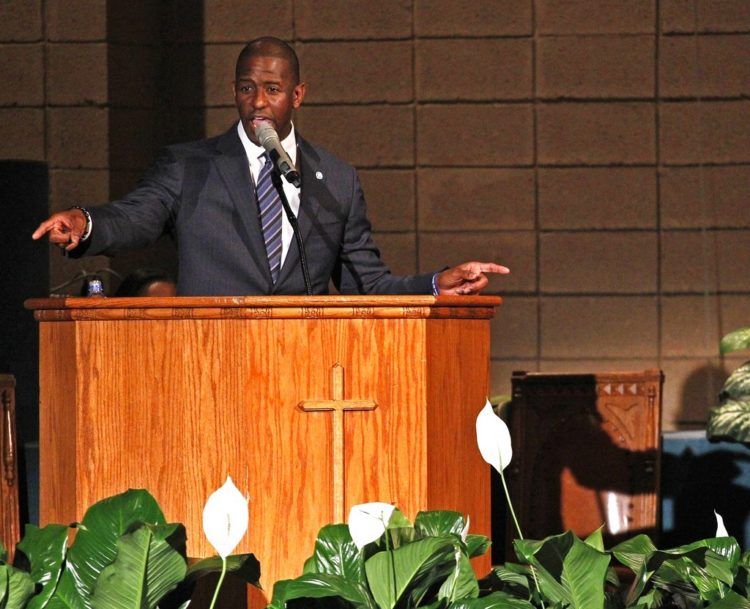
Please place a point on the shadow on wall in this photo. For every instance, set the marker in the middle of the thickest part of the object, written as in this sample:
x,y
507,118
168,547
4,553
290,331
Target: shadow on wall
x,y
699,477
698,394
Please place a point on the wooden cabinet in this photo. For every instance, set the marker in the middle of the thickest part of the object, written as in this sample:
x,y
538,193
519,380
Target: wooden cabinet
x,y
586,453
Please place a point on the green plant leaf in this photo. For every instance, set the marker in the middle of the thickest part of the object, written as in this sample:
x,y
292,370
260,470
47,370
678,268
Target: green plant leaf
x,y
3,553
584,574
95,544
244,566
595,540
570,571
477,545
16,588
336,554
496,600
321,585
511,578
437,523
735,341
422,561
633,552
461,583
549,564
146,568
730,422
706,564
737,386
731,600
43,550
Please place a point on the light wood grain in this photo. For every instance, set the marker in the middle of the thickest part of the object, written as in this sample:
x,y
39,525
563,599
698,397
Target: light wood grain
x,y
176,405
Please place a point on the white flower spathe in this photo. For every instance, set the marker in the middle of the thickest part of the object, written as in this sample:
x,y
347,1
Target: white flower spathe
x,y
465,530
493,438
368,521
721,530
225,518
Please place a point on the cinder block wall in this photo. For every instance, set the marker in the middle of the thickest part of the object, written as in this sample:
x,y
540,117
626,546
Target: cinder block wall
x,y
600,148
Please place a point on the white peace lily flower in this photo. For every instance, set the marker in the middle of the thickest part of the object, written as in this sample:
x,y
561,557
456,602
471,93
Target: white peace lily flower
x,y
465,530
368,521
225,518
721,530
493,438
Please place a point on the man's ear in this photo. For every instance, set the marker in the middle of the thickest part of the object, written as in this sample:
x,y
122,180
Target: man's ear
x,y
298,95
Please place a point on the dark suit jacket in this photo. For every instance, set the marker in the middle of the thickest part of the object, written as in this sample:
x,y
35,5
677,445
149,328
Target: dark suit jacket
x,y
203,194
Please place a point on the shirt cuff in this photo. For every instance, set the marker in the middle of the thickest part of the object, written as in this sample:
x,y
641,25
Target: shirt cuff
x,y
89,224
435,288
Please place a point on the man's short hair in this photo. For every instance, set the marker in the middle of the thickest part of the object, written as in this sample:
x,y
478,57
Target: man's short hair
x,y
269,46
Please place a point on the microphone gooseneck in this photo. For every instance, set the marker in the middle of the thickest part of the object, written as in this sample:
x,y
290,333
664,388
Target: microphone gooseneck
x,y
269,139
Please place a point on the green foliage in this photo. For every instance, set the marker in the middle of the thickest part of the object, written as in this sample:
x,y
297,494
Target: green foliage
x,y
731,419
425,564
124,556
735,341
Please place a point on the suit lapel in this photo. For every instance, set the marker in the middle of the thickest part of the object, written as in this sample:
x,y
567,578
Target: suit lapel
x,y
234,169
308,206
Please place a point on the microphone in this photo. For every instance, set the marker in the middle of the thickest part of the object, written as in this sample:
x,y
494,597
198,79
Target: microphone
x,y
269,139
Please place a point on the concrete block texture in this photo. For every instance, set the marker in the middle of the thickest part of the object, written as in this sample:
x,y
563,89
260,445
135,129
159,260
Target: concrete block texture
x,y
683,16
352,19
514,328
75,20
701,261
598,262
512,249
475,135
597,198
691,387
483,70
452,18
366,136
77,74
241,21
704,132
77,187
595,66
501,371
357,72
399,251
705,197
137,70
22,134
704,66
476,199
690,326
218,73
21,21
78,138
599,326
601,17
389,193
22,74
218,120
595,133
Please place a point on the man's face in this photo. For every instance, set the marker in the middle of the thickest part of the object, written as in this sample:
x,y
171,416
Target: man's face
x,y
265,90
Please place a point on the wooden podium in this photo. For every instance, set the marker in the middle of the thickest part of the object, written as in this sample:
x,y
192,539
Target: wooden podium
x,y
311,404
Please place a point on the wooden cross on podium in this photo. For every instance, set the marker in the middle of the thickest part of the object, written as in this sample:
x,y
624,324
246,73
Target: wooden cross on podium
x,y
338,405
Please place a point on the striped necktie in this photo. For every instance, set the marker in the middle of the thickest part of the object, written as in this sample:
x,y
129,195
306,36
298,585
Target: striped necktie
x,y
269,204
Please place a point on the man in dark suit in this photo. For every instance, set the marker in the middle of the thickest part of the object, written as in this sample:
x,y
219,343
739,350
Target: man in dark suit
x,y
217,198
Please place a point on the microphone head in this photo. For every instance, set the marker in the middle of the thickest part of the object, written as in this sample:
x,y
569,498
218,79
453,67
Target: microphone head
x,y
266,134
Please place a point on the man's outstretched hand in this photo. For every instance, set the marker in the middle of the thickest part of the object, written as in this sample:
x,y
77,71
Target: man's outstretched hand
x,y
467,278
64,228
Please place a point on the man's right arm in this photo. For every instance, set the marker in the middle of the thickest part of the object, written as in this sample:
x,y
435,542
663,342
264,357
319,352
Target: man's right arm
x,y
136,220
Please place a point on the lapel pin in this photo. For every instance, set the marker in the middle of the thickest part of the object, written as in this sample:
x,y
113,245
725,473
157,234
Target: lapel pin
x,y
319,175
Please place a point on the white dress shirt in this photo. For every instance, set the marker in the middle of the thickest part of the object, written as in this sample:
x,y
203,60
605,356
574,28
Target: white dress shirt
x,y
254,152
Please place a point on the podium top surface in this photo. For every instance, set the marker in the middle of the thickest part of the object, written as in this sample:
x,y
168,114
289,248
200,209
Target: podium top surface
x,y
263,307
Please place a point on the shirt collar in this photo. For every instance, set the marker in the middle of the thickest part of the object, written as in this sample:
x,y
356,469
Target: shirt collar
x,y
253,151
